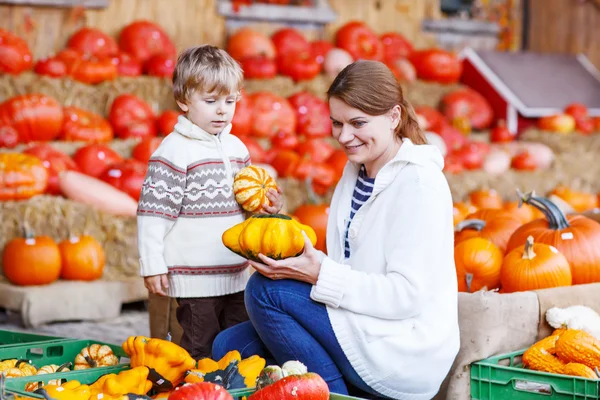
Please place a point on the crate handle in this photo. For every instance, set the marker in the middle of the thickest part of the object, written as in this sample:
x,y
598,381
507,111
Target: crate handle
x,y
35,352
533,387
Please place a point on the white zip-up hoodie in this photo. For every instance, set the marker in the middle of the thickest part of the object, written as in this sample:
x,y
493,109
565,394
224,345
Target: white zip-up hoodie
x,y
393,303
186,204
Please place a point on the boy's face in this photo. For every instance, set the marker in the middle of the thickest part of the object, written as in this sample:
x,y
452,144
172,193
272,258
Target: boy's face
x,y
209,111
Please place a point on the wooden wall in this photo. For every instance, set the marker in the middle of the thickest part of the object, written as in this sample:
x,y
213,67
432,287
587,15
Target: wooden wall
x,y
191,22
565,27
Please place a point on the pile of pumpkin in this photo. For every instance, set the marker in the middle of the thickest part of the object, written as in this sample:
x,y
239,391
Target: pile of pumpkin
x,y
513,249
164,370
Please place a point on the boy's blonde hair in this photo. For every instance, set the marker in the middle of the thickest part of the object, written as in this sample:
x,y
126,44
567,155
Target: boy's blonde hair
x,y
206,68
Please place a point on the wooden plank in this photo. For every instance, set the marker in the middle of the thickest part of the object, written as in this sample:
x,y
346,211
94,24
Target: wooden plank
x,y
59,3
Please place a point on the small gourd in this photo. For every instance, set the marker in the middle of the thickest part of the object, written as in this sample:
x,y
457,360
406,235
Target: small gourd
x,y
48,369
578,346
250,187
542,355
95,355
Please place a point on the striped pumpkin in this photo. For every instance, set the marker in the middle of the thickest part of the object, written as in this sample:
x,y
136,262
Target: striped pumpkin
x,y
250,187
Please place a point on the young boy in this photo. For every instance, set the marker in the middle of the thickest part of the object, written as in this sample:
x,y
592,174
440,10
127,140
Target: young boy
x,y
187,202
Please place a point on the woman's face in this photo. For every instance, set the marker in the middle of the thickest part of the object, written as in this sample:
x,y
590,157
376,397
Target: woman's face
x,y
365,138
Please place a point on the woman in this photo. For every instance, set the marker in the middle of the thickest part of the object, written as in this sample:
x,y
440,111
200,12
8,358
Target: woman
x,y
379,312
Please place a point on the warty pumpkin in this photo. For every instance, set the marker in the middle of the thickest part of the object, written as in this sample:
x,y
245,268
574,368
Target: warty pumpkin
x,y
133,380
71,390
534,266
577,369
230,371
95,355
276,236
575,236
493,224
578,346
541,356
250,187
478,263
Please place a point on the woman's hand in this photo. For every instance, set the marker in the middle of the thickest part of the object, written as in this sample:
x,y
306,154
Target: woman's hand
x,y
275,203
304,268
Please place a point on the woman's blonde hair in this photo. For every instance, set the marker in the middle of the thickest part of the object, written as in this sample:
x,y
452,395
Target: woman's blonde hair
x,y
372,88
206,68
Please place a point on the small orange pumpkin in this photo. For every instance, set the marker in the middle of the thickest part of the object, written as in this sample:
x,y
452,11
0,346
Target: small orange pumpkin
x,y
461,209
21,176
250,187
478,263
95,355
486,198
580,201
524,212
82,258
493,224
534,266
31,260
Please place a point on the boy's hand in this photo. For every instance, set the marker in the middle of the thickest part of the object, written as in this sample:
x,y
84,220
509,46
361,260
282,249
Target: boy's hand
x,y
157,284
276,200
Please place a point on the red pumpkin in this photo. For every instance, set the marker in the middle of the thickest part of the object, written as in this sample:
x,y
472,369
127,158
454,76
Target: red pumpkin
x,y
55,162
21,176
161,65
85,126
319,49
200,391
285,141
246,42
312,114
31,261
561,123
501,134
360,41
470,155
9,137
93,42
259,67
288,41
285,163
402,69
395,46
51,66
145,148
436,65
315,216
584,125
94,159
321,175
469,104
317,150
94,70
127,65
577,111
127,176
71,58
15,56
452,137
306,386
271,114
298,66
132,117
338,160
143,39
36,117
577,237
524,161
242,119
165,123
432,117
256,151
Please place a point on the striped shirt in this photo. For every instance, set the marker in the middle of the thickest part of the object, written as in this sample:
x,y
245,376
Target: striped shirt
x,y
362,192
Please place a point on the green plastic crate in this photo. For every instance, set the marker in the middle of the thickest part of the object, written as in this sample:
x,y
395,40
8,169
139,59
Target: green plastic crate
x,y
14,338
44,353
84,376
503,377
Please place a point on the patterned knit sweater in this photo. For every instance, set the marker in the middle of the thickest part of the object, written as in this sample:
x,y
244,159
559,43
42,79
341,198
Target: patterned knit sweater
x,y
186,204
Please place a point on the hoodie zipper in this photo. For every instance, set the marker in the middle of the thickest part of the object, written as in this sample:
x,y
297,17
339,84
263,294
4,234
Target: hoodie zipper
x,y
225,159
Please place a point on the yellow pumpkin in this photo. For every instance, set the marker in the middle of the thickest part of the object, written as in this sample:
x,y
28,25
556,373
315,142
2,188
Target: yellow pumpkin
x,y
250,187
276,236
48,369
95,355
17,368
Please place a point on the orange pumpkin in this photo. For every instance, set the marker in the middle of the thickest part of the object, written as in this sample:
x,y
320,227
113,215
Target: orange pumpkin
x,y
31,261
21,176
493,224
580,201
82,258
485,198
315,216
524,212
85,126
250,187
460,210
534,266
577,237
478,263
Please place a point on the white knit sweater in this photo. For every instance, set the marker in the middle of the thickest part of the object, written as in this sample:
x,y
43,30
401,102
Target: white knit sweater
x,y
187,202
393,303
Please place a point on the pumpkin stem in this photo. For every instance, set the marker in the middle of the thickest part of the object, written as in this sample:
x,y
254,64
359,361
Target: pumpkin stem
x,y
476,224
91,362
556,218
597,371
528,253
67,365
312,196
280,216
469,281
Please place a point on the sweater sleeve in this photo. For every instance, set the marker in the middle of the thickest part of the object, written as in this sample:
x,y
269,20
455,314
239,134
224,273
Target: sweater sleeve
x,y
158,208
416,249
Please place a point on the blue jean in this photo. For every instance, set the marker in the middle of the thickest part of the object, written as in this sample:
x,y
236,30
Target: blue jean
x,y
286,324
